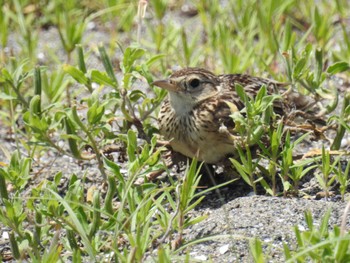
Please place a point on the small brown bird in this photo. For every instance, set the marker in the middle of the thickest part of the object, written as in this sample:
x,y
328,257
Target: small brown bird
x,y
195,117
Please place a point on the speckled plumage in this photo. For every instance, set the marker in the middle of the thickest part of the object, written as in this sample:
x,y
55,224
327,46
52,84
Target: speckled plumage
x,y
195,117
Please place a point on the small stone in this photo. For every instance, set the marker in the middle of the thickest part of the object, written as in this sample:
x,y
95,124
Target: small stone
x,y
201,257
41,56
224,249
5,235
301,227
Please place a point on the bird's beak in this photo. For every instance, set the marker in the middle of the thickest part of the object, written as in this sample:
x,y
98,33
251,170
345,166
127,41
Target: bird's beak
x,y
166,84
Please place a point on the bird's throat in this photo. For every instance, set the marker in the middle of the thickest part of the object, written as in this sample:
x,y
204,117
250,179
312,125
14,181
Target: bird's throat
x,y
180,104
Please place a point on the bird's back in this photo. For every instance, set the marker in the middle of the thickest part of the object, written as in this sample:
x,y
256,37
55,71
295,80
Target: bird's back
x,y
290,100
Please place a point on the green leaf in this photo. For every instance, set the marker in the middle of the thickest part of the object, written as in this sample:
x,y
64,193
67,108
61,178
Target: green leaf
x,y
153,59
81,58
132,145
241,93
6,74
135,95
5,96
70,130
241,170
342,247
131,54
35,105
323,230
256,250
107,65
14,246
77,74
77,224
287,253
287,36
299,67
196,220
267,187
3,189
261,94
319,64
300,240
38,125
74,117
95,113
57,178
309,220
96,222
193,205
37,81
101,78
338,67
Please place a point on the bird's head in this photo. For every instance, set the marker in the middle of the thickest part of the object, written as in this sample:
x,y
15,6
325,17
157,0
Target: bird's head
x,y
187,87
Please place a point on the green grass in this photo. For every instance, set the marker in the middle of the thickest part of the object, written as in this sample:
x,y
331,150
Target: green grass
x,y
66,99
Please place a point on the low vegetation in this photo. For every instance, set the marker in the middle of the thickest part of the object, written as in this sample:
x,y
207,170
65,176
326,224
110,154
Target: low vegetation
x,y
54,101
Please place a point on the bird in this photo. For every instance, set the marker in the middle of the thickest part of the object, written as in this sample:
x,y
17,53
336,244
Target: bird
x,y
196,116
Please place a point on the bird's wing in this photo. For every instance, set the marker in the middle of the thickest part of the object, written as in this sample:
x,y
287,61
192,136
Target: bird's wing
x,y
290,101
252,84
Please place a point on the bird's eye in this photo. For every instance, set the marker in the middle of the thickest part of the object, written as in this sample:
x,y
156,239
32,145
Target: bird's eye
x,y
194,83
